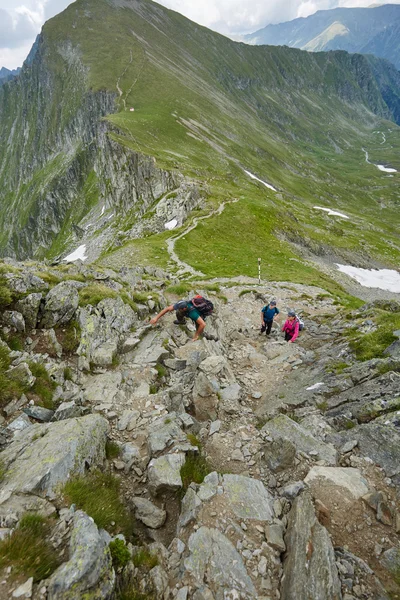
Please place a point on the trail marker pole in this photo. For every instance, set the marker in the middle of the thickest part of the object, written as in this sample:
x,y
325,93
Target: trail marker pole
x,y
259,270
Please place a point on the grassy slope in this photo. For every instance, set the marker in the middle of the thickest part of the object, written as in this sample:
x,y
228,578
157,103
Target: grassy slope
x,y
209,107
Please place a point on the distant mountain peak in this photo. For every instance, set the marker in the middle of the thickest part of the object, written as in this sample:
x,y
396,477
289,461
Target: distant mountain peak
x,y
357,30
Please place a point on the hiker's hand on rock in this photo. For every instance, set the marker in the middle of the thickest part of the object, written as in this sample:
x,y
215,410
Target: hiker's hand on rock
x,y
153,321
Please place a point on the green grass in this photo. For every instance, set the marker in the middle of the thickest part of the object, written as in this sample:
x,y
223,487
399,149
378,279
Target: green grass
x,y
161,371
27,550
119,553
44,386
10,385
112,450
98,494
388,367
3,471
195,468
67,374
194,440
180,289
144,559
94,293
71,337
337,367
373,344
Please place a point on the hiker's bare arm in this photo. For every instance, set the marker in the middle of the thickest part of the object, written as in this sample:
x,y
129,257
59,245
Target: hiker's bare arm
x,y
262,318
200,325
164,311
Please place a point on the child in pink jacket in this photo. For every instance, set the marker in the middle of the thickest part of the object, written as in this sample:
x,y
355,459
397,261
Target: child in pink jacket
x,y
291,327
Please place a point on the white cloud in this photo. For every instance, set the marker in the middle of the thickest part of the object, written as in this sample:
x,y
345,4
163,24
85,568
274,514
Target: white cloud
x,y
21,20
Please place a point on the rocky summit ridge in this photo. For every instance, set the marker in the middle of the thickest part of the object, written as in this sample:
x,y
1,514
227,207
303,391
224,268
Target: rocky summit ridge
x,y
137,463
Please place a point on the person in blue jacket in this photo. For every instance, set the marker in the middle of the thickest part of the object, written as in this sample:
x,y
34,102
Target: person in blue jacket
x,y
268,314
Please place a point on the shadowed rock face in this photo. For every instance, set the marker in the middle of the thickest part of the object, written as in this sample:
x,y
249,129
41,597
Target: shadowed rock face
x,y
309,569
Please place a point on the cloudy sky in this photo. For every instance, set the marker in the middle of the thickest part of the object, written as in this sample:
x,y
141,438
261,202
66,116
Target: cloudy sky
x,y
21,20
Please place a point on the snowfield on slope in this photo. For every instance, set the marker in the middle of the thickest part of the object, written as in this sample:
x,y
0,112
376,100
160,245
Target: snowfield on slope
x,y
331,213
384,279
268,185
78,254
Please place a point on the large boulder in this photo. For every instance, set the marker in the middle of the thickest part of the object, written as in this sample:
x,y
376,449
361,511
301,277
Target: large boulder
x,y
378,440
248,498
149,513
341,485
165,473
309,570
213,560
14,319
205,397
282,427
60,305
102,329
29,308
89,572
47,455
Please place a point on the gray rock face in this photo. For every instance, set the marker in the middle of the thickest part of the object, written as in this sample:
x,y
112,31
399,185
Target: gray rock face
x,y
346,481
60,305
148,513
67,410
248,498
163,433
39,413
14,319
378,441
89,572
309,570
284,428
213,560
53,346
29,308
391,561
46,455
164,473
279,454
103,328
205,398
23,374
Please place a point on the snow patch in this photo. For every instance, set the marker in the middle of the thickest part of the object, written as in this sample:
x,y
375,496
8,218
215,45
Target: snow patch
x,y
78,254
386,169
380,167
315,386
384,279
269,186
102,210
331,213
171,224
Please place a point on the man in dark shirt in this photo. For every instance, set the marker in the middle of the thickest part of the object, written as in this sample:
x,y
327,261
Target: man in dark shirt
x,y
268,314
183,309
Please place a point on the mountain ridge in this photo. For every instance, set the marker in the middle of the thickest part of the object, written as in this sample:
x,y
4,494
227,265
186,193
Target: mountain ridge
x,y
91,171
369,30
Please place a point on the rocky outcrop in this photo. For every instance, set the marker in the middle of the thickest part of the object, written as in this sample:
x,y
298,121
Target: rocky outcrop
x,y
309,569
46,455
88,573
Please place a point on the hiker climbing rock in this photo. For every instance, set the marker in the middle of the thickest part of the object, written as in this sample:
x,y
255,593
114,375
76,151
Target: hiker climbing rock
x,y
268,315
291,327
197,309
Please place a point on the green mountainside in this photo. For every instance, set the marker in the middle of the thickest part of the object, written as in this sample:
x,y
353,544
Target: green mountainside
x,y
366,30
79,167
